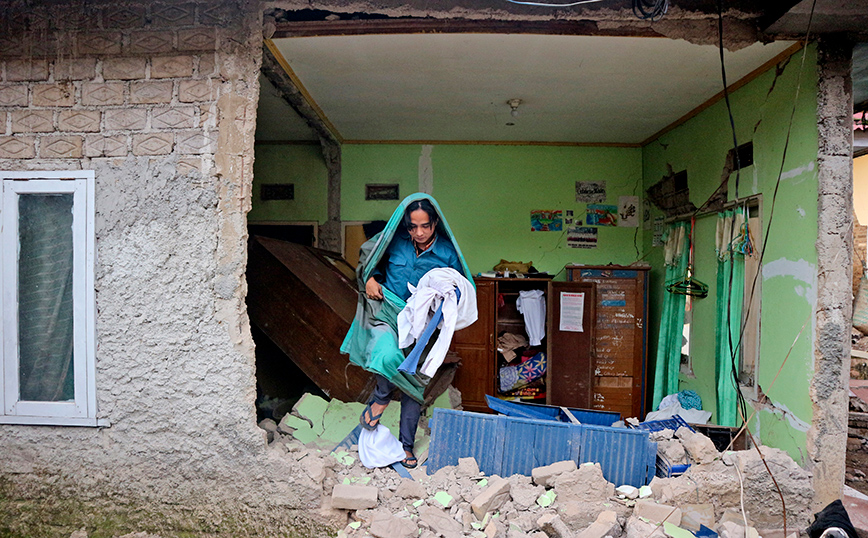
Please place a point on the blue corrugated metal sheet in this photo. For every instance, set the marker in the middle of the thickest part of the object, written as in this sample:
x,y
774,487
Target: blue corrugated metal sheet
x,y
551,412
505,445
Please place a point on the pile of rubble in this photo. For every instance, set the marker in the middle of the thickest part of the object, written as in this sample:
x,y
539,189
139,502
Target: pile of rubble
x,y
731,493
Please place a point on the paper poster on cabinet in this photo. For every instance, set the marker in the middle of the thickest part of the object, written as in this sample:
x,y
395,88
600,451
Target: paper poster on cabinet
x,y
572,312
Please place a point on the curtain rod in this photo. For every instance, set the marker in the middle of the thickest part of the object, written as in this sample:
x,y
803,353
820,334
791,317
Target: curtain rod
x,y
754,198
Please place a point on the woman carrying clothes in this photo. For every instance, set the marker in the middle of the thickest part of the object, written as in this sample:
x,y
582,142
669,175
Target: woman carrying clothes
x,y
416,239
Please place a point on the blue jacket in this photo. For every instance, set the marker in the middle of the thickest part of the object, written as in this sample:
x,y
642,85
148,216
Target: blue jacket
x,y
402,266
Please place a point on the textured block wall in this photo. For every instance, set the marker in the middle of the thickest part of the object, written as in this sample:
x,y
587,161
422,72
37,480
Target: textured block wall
x,y
159,99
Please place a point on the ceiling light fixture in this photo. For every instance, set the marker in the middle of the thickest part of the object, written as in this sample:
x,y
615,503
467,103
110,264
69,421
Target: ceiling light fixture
x,y
513,104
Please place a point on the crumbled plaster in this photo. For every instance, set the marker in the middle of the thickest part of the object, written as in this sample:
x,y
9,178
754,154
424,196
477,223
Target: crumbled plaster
x,y
800,270
798,172
426,170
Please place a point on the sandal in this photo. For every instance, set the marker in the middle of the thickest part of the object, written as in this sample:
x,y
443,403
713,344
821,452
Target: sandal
x,y
410,462
366,422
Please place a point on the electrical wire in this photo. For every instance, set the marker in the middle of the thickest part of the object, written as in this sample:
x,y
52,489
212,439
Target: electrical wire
x,y
734,349
652,10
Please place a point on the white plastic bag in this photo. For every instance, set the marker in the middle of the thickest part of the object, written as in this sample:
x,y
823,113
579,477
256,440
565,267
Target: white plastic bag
x,y
379,448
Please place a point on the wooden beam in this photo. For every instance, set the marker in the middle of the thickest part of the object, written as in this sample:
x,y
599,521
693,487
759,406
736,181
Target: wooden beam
x,y
457,26
277,70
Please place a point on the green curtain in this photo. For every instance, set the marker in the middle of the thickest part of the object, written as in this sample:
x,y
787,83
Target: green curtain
x,y
730,298
670,340
45,305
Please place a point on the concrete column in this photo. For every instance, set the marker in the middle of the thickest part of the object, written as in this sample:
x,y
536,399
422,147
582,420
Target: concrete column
x,y
827,438
330,230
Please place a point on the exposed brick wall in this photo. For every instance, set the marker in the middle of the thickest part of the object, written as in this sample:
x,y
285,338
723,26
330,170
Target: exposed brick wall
x,y
111,80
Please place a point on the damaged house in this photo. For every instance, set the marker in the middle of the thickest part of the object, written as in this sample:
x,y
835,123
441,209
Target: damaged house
x,y
143,143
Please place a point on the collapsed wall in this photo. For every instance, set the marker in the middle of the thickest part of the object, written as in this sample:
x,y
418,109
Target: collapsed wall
x,y
159,99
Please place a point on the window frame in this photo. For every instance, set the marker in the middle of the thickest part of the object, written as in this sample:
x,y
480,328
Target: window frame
x,y
82,411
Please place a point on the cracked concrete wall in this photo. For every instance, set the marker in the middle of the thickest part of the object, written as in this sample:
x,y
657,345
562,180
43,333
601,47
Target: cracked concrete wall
x,y
827,438
160,101
762,110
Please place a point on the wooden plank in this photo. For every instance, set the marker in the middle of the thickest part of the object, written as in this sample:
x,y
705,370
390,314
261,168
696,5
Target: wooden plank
x,y
436,25
309,328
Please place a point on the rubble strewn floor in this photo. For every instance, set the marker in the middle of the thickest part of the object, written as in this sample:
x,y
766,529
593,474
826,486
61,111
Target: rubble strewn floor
x,y
560,500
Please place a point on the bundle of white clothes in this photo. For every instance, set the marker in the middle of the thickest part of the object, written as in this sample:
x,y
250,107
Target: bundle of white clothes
x,y
532,306
379,448
435,287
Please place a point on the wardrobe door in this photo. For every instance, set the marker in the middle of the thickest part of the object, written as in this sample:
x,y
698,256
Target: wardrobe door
x,y
475,345
571,323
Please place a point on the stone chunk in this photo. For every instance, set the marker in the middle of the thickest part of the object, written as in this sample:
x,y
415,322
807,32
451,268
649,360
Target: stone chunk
x,y
605,525
385,525
552,525
673,451
467,467
525,495
354,497
627,491
584,484
410,489
700,447
544,476
657,513
694,515
439,521
641,528
492,498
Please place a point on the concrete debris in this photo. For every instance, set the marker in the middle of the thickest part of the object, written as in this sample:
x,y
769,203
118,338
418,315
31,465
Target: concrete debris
x,y
561,499
440,521
544,476
657,513
586,483
552,525
354,497
494,496
467,467
385,525
694,515
605,525
700,447
638,527
661,435
673,450
627,491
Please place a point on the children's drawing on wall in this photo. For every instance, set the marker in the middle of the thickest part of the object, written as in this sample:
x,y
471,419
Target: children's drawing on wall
x,y
657,238
628,211
602,215
591,192
546,220
582,237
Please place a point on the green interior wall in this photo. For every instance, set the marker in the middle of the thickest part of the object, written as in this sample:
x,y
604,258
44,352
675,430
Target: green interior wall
x,y
487,193
762,110
299,164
